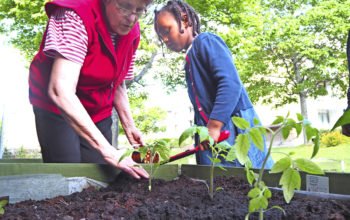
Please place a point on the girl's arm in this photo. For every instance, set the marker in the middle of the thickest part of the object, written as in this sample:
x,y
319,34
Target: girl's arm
x,y
217,59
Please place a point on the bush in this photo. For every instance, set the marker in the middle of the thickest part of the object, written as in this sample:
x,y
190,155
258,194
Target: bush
x,y
332,139
21,153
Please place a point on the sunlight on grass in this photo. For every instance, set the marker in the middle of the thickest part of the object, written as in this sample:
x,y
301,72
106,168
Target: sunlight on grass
x,y
191,159
335,159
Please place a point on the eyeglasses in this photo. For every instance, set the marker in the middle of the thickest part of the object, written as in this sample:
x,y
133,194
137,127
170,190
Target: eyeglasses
x,y
127,10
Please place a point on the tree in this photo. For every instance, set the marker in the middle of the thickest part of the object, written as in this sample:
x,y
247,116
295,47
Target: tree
x,y
299,52
285,51
25,22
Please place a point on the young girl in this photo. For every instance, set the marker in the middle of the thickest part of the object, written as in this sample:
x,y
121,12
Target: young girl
x,y
214,86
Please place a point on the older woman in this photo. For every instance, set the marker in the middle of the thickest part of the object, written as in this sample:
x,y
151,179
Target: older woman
x,y
77,77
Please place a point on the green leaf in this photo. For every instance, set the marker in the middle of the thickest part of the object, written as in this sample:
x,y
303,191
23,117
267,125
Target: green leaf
x,y
290,122
262,130
267,193
204,135
216,160
2,211
310,132
308,166
257,138
3,203
278,120
222,168
298,128
258,203
281,165
343,120
127,153
241,123
253,193
189,132
316,145
256,121
254,205
231,155
286,131
290,180
242,147
250,176
300,117
219,189
223,145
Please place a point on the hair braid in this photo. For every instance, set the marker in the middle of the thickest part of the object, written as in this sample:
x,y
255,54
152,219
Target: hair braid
x,y
176,7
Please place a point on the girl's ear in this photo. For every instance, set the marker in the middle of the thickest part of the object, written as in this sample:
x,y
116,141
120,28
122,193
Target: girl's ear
x,y
184,19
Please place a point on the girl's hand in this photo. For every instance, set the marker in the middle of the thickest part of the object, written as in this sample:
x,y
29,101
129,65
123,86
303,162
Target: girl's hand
x,y
214,129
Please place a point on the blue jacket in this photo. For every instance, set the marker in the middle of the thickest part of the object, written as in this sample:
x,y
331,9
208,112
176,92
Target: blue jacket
x,y
219,89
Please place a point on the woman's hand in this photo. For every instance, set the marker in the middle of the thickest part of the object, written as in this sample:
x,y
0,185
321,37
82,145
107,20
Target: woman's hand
x,y
132,168
112,156
135,137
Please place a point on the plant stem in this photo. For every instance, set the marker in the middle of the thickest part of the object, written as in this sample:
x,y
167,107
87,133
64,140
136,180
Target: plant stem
x,y
261,214
211,183
261,172
151,175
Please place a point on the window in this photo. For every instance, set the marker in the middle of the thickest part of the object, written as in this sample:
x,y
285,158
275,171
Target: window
x,y
323,116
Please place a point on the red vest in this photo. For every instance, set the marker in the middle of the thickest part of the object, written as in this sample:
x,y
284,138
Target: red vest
x,y
104,66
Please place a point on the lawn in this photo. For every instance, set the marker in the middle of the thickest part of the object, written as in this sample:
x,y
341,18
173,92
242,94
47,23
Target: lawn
x,y
335,159
329,159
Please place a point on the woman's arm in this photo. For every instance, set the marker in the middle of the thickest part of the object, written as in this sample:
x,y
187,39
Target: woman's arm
x,y
121,104
62,90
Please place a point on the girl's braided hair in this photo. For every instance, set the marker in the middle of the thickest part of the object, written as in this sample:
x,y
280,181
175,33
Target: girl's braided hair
x,y
176,7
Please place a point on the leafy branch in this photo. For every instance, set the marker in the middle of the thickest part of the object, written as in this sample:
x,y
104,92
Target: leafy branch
x,y
149,154
290,168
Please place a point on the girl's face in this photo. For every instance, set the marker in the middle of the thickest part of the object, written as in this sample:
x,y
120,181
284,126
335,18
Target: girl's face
x,y
169,31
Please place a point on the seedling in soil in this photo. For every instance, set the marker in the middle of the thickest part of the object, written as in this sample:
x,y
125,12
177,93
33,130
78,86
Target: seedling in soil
x,y
219,150
290,168
149,154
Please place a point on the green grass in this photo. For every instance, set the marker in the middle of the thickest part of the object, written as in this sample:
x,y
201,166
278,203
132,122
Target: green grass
x,y
191,159
329,159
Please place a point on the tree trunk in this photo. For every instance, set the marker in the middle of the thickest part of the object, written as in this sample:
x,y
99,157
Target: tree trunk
x,y
2,134
303,107
115,118
115,128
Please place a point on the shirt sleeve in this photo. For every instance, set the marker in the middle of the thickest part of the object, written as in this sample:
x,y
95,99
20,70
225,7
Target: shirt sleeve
x,y
218,58
67,36
130,74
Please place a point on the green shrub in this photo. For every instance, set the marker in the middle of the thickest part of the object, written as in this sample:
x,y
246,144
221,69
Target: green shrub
x,y
21,153
332,139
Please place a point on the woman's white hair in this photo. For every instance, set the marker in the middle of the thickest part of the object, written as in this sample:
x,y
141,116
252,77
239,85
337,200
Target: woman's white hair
x,y
108,1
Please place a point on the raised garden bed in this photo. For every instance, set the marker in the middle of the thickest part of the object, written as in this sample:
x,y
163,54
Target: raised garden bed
x,y
182,198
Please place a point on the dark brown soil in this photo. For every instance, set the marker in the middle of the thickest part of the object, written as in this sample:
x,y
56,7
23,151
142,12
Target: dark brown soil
x,y
179,199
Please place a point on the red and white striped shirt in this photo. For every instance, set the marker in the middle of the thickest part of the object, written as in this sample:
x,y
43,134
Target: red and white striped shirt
x,y
66,35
